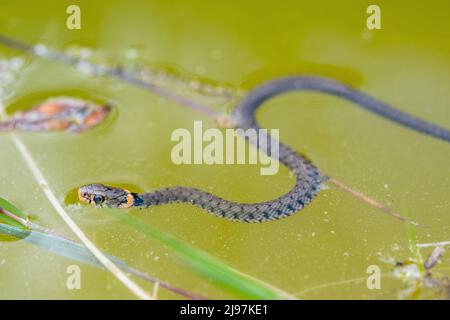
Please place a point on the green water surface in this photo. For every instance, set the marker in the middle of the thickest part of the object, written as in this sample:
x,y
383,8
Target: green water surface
x,y
320,252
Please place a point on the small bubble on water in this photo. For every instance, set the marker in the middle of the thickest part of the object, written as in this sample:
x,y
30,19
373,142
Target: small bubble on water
x,y
85,67
40,50
85,53
132,54
16,63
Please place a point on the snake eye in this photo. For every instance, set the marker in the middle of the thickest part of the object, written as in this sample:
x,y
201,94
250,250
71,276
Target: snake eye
x,y
98,199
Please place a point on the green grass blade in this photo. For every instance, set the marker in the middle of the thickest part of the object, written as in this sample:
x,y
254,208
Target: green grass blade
x,y
412,239
8,206
208,266
57,245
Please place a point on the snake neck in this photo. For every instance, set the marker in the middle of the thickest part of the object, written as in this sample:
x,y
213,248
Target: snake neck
x,y
138,201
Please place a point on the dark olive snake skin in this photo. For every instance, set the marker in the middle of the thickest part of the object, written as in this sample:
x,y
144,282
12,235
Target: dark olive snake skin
x,y
308,179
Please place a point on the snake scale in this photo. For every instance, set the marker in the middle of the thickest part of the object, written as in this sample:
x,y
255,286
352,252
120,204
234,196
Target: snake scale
x,y
308,178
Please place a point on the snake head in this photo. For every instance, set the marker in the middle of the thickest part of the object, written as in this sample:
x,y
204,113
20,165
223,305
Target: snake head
x,y
101,196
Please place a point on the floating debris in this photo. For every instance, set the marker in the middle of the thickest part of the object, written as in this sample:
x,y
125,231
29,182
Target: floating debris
x,y
91,61
58,114
434,257
408,271
417,278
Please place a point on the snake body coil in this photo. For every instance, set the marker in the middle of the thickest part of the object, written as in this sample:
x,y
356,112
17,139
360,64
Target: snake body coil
x,y
308,178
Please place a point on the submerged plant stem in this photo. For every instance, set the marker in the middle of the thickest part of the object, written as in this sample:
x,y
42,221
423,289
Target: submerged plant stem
x,y
433,244
31,225
371,202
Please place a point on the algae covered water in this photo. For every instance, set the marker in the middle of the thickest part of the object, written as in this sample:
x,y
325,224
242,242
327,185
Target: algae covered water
x,y
324,251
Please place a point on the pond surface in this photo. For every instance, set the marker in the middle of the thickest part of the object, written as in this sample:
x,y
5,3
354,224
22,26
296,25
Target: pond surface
x,y
321,252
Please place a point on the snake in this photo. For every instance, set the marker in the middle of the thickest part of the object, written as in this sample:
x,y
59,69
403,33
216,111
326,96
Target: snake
x,y
308,179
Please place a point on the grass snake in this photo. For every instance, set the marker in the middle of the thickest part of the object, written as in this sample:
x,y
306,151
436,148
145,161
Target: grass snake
x,y
308,178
